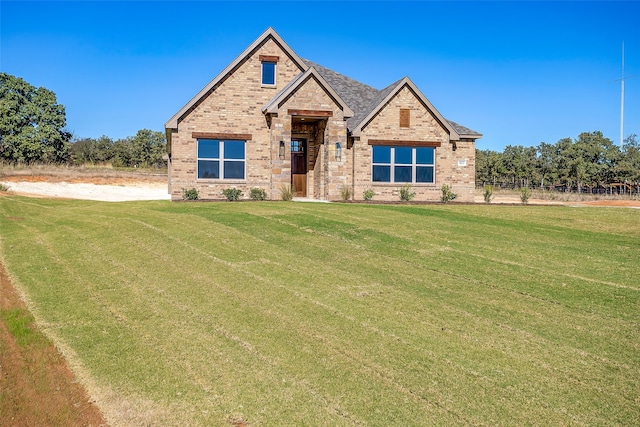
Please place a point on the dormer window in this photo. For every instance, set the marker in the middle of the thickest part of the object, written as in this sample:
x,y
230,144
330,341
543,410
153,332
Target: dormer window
x,y
268,69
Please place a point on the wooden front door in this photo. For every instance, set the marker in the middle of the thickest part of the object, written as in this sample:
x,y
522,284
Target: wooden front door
x,y
299,167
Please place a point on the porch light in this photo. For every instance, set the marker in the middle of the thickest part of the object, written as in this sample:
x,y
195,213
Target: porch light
x,y
281,150
338,152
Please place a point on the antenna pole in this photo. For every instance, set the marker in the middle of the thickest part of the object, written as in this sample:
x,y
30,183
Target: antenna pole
x,y
622,100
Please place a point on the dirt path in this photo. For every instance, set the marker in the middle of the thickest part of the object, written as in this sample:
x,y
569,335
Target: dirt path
x,y
37,388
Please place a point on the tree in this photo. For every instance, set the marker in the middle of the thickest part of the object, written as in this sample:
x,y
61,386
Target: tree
x,y
143,150
591,160
489,167
31,123
149,147
89,150
547,154
628,168
519,163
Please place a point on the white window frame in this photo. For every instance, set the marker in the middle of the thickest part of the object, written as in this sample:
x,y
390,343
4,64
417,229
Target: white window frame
x,y
392,164
221,159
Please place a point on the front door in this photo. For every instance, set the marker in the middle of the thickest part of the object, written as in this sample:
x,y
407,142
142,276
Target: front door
x,y
299,167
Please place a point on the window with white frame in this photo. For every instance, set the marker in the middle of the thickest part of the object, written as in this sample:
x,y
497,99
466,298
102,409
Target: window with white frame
x,y
218,159
403,164
268,73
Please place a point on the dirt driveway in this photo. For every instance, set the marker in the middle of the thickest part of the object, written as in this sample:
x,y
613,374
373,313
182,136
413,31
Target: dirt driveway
x,y
131,186
103,188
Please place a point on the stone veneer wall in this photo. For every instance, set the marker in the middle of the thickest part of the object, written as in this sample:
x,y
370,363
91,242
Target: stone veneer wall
x,y
233,107
325,177
423,127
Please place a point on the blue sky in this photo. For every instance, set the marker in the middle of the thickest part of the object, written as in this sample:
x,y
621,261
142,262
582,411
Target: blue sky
x,y
517,72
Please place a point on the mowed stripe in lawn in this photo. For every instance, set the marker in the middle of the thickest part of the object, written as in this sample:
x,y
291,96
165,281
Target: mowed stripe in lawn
x,y
283,313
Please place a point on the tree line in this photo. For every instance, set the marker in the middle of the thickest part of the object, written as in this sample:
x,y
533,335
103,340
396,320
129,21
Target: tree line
x,y
590,162
146,149
33,130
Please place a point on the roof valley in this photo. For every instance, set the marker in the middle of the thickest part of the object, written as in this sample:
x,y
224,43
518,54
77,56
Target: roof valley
x,y
362,98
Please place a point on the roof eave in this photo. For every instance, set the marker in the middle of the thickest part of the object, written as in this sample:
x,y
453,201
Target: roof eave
x,y
470,136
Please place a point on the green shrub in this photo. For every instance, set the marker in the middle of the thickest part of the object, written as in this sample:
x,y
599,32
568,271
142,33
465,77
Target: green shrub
x,y
406,194
488,193
525,193
447,194
232,194
345,194
190,194
286,193
258,194
368,194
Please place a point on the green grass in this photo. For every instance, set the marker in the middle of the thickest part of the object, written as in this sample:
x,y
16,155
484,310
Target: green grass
x,y
20,324
278,313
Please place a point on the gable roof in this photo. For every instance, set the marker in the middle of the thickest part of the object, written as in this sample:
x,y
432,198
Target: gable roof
x,y
269,33
389,92
299,80
360,102
366,101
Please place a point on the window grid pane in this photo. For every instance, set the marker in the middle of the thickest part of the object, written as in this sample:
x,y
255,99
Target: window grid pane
x,y
233,170
424,155
424,174
381,154
403,155
209,169
208,149
234,150
402,174
381,173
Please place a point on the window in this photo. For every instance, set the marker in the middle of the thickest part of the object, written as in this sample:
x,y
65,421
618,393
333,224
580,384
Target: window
x,y
268,73
219,159
297,146
403,164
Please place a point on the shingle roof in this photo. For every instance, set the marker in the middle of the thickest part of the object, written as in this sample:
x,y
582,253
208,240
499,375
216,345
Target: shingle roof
x,y
465,131
358,96
363,99
382,94
272,105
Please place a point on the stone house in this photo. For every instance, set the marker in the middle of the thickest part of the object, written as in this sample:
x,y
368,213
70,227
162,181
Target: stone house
x,y
273,120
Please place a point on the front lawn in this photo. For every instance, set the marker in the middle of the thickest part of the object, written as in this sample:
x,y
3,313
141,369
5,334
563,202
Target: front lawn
x,y
276,313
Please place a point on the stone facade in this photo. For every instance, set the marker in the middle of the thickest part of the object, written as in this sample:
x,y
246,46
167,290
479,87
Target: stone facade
x,y
303,105
423,128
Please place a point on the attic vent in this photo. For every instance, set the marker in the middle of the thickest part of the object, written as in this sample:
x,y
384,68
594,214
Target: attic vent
x,y
405,118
